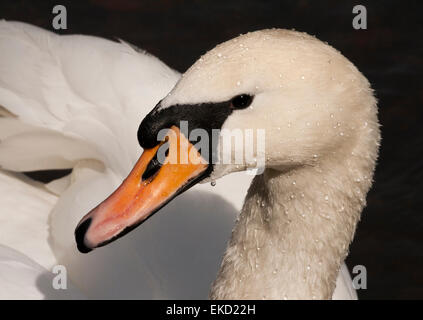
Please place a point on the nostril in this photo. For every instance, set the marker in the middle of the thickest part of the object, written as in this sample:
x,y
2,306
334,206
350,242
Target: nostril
x,y
80,232
152,168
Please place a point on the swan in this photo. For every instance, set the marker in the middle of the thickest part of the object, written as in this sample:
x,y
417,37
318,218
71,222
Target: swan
x,y
83,114
76,102
321,145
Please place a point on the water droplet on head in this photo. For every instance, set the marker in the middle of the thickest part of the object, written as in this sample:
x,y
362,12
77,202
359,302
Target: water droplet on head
x,y
213,183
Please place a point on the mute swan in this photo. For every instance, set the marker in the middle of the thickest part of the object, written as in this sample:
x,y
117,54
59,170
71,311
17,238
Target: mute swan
x,y
321,146
76,101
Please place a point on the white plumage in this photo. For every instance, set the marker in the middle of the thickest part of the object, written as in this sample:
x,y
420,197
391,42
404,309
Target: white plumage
x,y
76,102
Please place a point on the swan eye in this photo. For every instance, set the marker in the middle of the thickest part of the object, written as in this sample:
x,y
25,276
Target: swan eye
x,y
242,101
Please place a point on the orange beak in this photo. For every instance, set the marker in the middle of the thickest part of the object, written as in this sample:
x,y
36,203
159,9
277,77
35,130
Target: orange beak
x,y
149,186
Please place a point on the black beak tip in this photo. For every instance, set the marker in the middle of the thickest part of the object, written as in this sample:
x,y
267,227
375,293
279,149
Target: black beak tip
x,y
80,236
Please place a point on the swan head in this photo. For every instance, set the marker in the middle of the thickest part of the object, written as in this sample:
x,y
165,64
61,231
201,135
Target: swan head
x,y
286,97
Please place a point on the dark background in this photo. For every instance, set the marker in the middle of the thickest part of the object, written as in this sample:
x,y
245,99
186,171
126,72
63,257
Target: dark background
x,y
389,239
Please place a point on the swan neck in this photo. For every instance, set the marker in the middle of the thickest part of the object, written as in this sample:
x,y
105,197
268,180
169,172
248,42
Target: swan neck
x,y
293,233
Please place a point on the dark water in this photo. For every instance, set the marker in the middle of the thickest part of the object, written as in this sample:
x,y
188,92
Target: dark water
x,y
389,239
